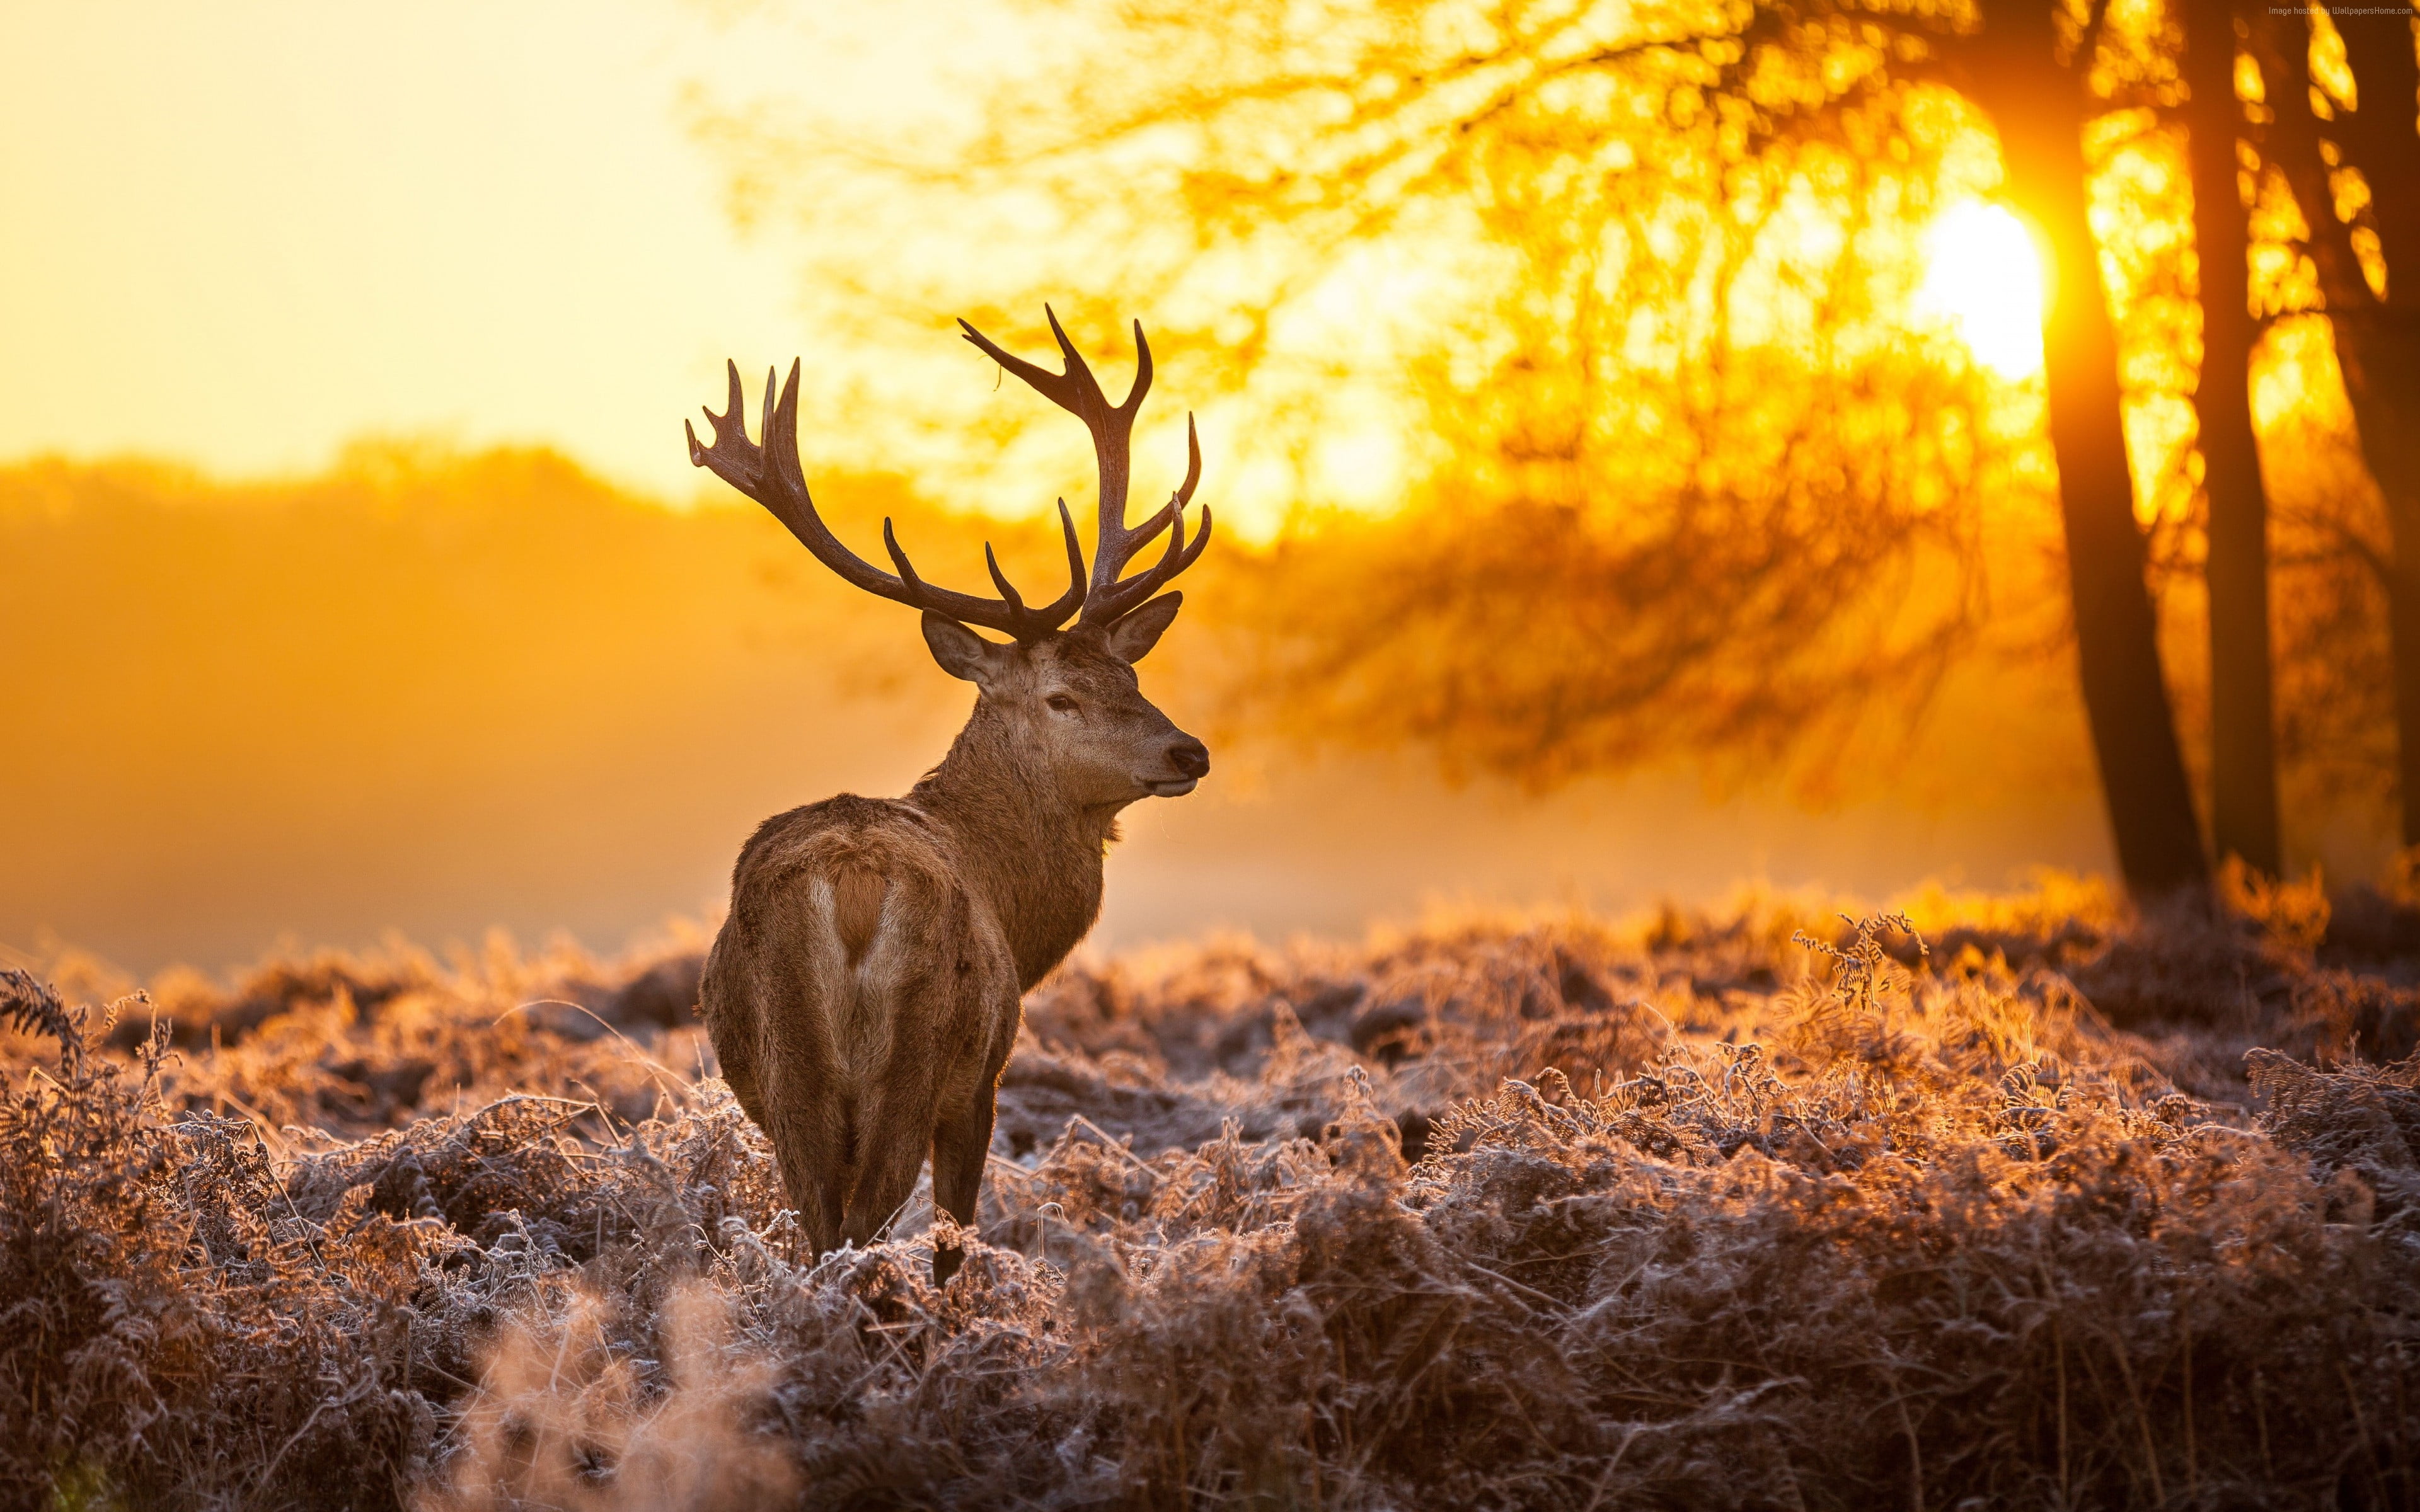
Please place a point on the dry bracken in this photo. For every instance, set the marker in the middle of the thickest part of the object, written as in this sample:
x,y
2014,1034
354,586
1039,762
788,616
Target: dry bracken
x,y
1984,1203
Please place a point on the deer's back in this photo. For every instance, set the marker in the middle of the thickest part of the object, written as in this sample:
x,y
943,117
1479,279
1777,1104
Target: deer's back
x,y
853,938
880,836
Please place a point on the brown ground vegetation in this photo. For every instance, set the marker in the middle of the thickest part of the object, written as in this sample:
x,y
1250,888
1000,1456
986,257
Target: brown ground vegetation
x,y
2069,1207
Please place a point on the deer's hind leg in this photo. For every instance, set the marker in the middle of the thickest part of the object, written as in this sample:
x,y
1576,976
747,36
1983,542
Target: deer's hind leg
x,y
926,1033
770,1009
897,1130
726,1001
961,1144
962,1136
811,1144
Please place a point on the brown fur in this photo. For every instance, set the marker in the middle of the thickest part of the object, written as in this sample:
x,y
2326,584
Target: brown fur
x,y
856,907
865,989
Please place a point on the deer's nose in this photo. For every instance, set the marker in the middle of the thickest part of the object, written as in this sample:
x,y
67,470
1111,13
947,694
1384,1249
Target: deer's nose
x,y
1189,757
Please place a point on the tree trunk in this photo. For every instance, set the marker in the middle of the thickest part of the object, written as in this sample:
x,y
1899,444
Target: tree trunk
x,y
2383,375
2039,107
2243,751
2380,366
2377,341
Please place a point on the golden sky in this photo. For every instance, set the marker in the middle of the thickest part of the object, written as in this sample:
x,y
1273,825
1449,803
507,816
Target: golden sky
x,y
244,233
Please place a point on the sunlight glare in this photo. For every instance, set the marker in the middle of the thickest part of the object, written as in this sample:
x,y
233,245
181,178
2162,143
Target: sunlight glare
x,y
1361,467
1984,275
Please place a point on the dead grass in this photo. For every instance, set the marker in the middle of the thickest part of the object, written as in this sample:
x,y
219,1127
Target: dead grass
x,y
1492,1212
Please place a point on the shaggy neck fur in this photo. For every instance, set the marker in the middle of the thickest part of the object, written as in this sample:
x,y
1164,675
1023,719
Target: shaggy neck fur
x,y
1032,855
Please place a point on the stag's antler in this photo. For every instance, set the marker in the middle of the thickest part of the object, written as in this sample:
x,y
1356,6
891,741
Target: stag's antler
x,y
771,475
1078,392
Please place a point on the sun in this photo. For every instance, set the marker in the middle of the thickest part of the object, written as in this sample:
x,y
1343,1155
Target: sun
x,y
1984,276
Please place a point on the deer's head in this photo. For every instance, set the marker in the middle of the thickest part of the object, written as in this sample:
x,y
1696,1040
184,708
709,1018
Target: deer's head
x,y
1069,695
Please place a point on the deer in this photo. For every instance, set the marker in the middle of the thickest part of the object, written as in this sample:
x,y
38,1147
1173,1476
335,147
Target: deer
x,y
867,984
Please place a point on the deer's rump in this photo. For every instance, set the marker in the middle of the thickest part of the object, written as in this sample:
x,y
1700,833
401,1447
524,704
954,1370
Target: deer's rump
x,y
857,998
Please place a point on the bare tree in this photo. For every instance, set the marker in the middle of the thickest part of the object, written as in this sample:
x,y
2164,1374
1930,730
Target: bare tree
x,y
2355,176
2244,753
2034,82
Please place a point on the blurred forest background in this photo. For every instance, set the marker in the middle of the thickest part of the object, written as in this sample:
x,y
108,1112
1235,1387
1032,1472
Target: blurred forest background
x,y
1656,447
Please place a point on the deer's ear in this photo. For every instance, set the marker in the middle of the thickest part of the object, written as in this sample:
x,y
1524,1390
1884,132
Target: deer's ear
x,y
1139,630
961,650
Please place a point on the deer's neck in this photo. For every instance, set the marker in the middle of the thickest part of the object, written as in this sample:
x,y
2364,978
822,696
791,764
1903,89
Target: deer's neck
x,y
1025,850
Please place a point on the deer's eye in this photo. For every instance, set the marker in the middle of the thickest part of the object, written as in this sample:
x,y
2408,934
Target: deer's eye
x,y
1061,703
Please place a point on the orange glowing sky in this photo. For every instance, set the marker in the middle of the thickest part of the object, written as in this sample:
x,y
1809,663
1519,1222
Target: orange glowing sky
x,y
245,233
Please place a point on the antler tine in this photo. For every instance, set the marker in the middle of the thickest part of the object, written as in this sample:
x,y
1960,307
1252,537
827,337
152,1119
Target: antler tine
x,y
1126,597
999,579
772,475
1159,520
1123,597
765,426
1142,373
899,559
1192,467
1078,391
701,456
